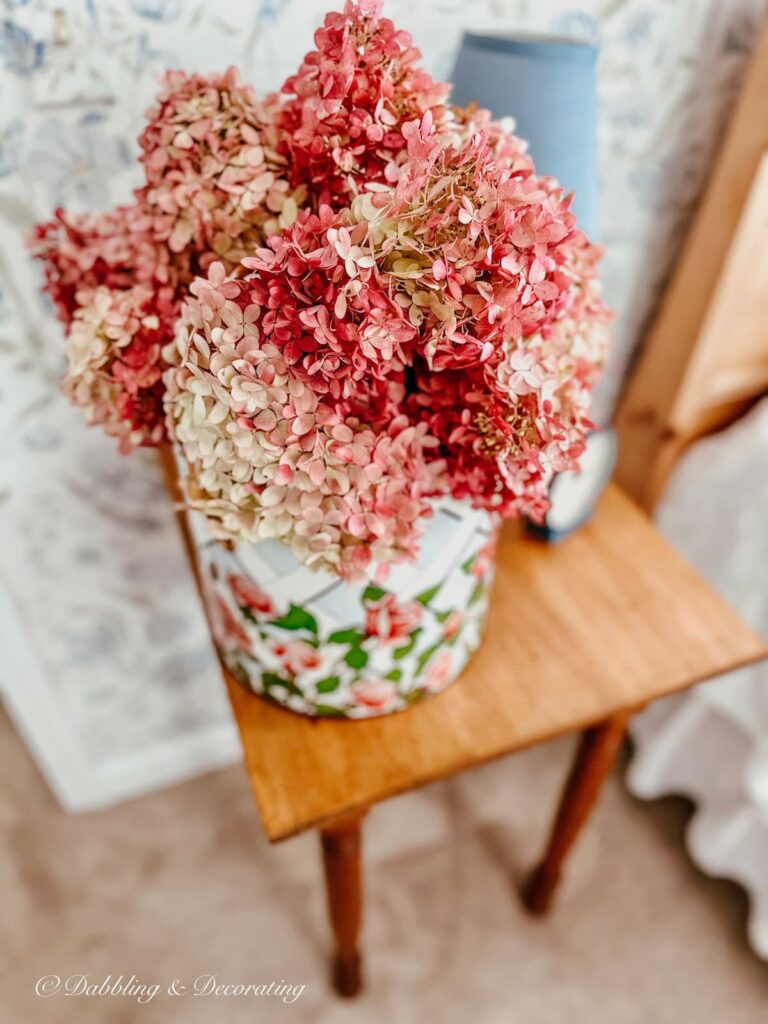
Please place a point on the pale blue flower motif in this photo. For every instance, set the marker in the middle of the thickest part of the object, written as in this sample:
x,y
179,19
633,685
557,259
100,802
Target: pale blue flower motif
x,y
579,25
76,161
147,59
41,437
268,10
158,10
10,146
93,14
660,186
20,52
639,28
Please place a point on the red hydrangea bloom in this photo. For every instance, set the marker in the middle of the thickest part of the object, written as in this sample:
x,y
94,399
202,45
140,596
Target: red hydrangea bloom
x,y
117,249
349,100
501,286
314,294
213,189
118,290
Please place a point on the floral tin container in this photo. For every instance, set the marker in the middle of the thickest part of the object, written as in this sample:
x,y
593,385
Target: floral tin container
x,y
324,647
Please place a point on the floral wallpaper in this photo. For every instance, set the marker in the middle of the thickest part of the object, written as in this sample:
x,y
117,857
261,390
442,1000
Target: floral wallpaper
x,y
91,570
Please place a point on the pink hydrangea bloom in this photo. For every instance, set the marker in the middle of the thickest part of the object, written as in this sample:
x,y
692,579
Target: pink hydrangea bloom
x,y
356,298
109,269
342,125
116,249
215,187
114,364
314,294
216,184
501,287
270,457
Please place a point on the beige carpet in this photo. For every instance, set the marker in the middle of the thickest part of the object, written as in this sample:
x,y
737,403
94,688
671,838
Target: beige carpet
x,y
183,884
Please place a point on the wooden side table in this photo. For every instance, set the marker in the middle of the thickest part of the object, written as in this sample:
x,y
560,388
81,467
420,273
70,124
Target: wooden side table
x,y
579,637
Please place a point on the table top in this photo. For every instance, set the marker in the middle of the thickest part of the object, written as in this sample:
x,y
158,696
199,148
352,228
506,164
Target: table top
x,y
608,620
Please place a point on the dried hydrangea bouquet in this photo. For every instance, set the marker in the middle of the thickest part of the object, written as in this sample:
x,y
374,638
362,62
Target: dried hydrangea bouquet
x,y
369,330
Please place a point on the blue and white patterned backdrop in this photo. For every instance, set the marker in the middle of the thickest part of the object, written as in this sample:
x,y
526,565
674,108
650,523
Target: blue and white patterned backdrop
x,y
99,608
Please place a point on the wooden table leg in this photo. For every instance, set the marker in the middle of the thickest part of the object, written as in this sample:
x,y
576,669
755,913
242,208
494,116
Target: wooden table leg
x,y
594,759
341,842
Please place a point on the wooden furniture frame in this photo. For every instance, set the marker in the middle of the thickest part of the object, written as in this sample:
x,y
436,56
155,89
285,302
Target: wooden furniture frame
x,y
705,359
579,636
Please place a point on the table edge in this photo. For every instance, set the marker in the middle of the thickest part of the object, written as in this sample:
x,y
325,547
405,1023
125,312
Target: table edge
x,y
279,833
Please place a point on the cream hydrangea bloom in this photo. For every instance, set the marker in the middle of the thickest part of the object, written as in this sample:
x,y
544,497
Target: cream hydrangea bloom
x,y
268,458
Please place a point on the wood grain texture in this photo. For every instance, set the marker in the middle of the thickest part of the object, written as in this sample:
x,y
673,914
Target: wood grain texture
x,y
607,621
698,368
730,361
